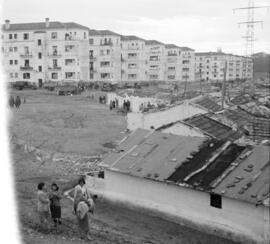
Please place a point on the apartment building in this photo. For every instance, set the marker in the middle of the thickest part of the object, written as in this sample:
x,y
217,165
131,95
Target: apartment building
x,y
179,63
45,52
155,60
210,66
105,56
133,59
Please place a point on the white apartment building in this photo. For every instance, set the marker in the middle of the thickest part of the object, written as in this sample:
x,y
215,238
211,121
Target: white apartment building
x,y
45,52
179,63
133,59
210,66
155,60
105,56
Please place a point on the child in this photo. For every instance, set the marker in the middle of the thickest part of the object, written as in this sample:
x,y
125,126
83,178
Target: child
x,y
55,206
43,204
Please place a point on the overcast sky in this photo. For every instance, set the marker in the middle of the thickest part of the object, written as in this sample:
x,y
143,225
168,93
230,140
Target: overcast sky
x,y
204,25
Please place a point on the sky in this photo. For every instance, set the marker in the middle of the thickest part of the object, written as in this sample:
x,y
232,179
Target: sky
x,y
204,25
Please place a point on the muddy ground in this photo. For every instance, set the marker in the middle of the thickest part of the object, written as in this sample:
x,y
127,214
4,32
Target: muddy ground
x,y
77,126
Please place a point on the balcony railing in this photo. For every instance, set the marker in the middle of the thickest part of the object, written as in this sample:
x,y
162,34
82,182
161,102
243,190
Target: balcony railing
x,y
54,54
55,68
106,44
93,58
172,54
26,55
26,68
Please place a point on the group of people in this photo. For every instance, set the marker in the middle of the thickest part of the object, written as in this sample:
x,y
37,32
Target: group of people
x,y
115,104
102,99
15,102
49,206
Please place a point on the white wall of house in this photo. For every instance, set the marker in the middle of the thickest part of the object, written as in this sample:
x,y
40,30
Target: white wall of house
x,y
159,118
239,220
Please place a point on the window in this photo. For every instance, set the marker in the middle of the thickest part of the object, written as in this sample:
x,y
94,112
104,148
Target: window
x,y
10,36
69,48
132,76
185,62
16,75
91,75
25,36
215,201
70,62
26,63
84,35
40,55
153,58
132,66
54,35
10,49
39,42
26,50
153,76
70,75
54,76
105,64
3,50
2,37
91,41
15,49
15,36
55,64
39,68
171,68
26,75
54,50
10,62
16,62
132,55
108,51
10,75
105,75
171,77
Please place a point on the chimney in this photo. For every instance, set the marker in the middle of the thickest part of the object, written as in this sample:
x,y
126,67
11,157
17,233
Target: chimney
x,y
47,23
7,24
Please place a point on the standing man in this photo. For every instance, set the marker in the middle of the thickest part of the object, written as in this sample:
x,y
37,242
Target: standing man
x,y
43,205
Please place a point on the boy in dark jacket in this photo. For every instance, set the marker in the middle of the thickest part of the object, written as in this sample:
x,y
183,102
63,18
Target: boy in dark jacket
x,y
55,206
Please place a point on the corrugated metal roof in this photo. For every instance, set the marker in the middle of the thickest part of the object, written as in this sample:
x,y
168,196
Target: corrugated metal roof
x,y
42,26
250,180
168,46
212,127
208,104
152,155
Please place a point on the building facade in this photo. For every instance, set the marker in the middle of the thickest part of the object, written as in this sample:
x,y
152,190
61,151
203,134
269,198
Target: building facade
x,y
105,56
209,66
133,59
45,52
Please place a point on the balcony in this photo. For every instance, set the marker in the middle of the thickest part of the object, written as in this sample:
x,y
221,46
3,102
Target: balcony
x,y
106,44
54,54
26,55
92,58
172,54
29,68
92,70
55,68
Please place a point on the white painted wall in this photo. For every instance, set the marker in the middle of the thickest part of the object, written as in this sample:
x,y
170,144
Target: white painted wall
x,y
162,117
241,220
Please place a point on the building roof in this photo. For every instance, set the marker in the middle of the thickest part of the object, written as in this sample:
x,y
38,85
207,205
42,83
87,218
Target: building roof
x,y
42,26
210,54
212,127
242,99
102,33
207,103
187,49
152,155
169,46
203,164
258,128
131,38
248,181
153,42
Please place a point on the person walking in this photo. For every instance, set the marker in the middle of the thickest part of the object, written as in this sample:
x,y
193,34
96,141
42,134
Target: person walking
x,y
18,102
55,206
43,205
11,101
83,204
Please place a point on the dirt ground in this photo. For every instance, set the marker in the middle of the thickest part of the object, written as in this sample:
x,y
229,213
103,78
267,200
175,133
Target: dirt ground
x,y
77,125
